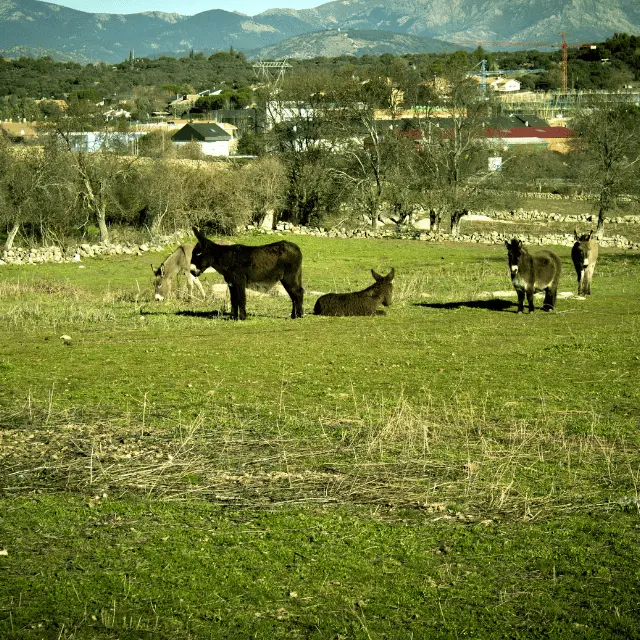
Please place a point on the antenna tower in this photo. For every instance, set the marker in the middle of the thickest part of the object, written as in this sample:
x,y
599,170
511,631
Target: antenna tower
x,y
272,72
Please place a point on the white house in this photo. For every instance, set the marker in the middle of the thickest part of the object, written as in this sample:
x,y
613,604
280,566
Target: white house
x,y
504,85
212,138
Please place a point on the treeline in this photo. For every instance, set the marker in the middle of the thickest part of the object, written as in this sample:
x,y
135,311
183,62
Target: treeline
x,y
331,161
51,195
147,84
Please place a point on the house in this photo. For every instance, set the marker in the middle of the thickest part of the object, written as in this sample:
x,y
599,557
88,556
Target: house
x,y
114,114
18,132
504,131
183,103
94,141
504,85
212,138
555,138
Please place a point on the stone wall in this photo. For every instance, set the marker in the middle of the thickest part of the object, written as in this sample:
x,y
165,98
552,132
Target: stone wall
x,y
167,243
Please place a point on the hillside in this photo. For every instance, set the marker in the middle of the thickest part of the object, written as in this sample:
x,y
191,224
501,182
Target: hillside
x,y
351,42
32,27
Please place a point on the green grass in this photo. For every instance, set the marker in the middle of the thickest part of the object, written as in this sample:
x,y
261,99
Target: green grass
x,y
450,469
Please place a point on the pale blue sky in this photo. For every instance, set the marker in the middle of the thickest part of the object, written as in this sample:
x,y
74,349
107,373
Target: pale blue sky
x,y
185,7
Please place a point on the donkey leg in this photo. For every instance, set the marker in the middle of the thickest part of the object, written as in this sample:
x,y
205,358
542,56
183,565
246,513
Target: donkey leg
x,y
296,293
530,301
520,293
589,274
233,294
549,299
189,286
241,299
198,284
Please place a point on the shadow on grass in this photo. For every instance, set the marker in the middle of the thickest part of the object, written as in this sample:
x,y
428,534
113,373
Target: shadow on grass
x,y
190,314
222,315
489,305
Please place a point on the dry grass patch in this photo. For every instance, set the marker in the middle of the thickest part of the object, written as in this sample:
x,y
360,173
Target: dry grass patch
x,y
393,454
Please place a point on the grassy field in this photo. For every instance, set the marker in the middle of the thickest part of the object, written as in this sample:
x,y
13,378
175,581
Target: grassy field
x,y
452,469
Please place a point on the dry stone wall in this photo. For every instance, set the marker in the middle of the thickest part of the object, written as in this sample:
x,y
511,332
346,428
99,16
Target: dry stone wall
x,y
166,243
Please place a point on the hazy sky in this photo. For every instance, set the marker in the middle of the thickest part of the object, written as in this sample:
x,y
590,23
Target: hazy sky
x,y
185,7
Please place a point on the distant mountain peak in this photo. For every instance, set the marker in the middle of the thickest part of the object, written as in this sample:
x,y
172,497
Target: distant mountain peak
x,y
33,25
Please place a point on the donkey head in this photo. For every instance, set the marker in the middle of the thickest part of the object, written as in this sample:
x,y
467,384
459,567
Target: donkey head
x,y
585,237
583,248
384,286
514,251
199,252
160,283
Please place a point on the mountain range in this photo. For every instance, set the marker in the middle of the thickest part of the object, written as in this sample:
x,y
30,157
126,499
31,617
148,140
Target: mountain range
x,y
343,27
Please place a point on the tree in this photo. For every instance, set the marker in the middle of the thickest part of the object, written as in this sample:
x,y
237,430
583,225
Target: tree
x,y
217,200
265,185
361,139
403,180
609,143
163,191
452,149
34,192
296,131
97,169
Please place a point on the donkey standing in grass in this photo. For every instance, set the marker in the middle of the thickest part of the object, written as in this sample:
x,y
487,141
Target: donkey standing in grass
x,y
358,303
179,262
531,273
584,255
242,266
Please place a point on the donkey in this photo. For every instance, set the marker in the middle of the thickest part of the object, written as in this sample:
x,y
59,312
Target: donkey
x,y
358,303
179,262
531,273
241,266
584,255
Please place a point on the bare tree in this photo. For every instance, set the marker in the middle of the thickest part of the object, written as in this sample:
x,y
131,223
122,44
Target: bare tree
x,y
452,148
609,143
297,132
34,191
163,186
93,145
361,138
265,184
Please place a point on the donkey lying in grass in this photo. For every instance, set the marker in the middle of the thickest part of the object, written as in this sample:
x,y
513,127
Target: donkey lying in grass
x,y
531,273
358,303
241,266
584,255
179,262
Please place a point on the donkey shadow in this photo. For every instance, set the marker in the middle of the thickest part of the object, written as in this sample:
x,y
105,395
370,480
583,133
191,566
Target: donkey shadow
x,y
494,304
211,315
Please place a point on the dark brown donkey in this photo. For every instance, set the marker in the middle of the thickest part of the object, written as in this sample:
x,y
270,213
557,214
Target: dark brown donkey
x,y
241,265
584,255
358,303
533,272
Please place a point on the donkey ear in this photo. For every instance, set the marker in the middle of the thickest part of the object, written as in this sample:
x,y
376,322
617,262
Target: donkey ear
x,y
152,269
390,275
590,234
575,233
376,276
520,243
506,244
201,237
